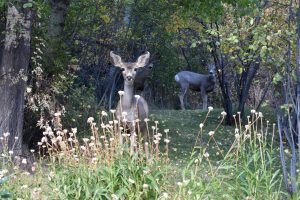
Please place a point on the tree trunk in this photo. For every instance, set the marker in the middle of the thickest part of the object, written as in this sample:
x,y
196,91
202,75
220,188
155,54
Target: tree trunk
x,y
247,82
13,69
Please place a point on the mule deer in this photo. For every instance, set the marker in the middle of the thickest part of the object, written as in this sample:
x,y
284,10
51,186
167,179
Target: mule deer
x,y
204,83
135,108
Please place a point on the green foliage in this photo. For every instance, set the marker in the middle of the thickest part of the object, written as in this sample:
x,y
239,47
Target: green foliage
x,y
4,193
81,105
125,178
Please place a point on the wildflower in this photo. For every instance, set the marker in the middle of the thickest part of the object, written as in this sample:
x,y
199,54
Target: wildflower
x,y
236,130
210,108
112,111
201,125
10,152
28,89
124,114
179,183
166,130
131,181
6,134
238,113
57,114
223,113
74,130
24,186
145,186
137,120
44,139
92,138
260,114
196,161
258,135
137,97
32,150
114,197
165,195
156,122
153,127
110,122
59,138
90,120
91,144
39,143
83,148
24,161
247,127
234,116
146,120
211,133
103,113
121,93
206,155
111,139
253,111
166,141
85,139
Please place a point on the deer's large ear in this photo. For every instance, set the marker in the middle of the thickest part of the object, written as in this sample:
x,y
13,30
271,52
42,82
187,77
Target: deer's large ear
x,y
142,60
116,60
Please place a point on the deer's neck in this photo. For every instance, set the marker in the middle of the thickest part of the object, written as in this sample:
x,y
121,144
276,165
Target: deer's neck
x,y
128,96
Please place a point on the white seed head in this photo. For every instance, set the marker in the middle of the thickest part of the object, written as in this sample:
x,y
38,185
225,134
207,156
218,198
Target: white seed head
x,y
103,113
74,130
211,133
90,120
210,108
121,93
167,141
206,155
137,97
6,134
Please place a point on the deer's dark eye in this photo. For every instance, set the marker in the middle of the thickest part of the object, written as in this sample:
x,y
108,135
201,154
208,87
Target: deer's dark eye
x,y
122,69
135,69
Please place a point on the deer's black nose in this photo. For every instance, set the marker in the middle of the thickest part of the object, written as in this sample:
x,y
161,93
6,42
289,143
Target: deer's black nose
x,y
129,78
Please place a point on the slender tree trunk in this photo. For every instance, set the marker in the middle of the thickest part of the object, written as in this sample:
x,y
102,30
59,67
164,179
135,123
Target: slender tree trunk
x,y
13,71
297,109
246,86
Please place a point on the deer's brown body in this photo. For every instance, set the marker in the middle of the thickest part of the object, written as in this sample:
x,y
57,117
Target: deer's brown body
x,y
204,83
131,107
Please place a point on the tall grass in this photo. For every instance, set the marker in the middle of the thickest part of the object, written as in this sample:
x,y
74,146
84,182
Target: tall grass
x,y
248,170
107,165
101,166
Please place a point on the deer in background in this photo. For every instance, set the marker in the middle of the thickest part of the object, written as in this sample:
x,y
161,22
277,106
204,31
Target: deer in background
x,y
203,83
135,108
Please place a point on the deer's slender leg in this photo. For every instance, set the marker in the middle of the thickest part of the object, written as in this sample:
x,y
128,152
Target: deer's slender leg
x,y
182,93
204,98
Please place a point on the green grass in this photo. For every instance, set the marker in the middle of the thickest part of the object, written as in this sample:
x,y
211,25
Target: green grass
x,y
184,128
